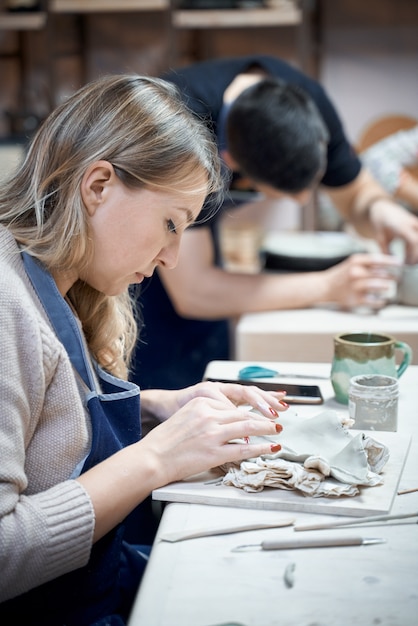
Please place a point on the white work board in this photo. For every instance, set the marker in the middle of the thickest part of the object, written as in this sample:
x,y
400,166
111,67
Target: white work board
x,y
370,501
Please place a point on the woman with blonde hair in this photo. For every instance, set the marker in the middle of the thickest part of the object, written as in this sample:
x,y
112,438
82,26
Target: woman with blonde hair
x,y
109,184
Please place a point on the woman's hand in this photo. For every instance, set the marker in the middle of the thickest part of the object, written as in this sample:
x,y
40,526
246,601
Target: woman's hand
x,y
197,437
194,439
362,280
267,402
163,403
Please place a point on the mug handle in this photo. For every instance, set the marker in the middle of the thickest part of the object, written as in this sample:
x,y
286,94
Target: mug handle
x,y
407,356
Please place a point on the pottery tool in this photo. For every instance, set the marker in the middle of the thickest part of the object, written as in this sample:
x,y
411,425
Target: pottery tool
x,y
403,491
223,530
363,520
312,542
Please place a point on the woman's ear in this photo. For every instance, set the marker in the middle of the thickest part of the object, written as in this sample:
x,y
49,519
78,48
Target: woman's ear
x,y
95,184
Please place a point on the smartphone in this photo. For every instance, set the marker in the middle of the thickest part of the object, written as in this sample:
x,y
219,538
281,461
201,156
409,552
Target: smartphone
x,y
295,394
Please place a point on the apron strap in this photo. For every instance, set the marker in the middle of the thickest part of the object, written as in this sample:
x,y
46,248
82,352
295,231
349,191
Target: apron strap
x,y
60,315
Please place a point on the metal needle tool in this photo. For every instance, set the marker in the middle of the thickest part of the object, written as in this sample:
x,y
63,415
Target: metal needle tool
x,y
314,542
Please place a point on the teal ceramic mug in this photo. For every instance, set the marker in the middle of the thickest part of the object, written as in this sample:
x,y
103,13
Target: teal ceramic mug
x,y
358,353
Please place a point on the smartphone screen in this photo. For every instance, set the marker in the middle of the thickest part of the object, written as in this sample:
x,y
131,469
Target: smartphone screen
x,y
295,394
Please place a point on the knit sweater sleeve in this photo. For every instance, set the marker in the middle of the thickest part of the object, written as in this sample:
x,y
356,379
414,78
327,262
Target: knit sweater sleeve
x,y
46,519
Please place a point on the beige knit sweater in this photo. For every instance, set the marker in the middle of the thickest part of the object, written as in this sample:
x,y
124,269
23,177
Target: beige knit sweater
x,y
46,518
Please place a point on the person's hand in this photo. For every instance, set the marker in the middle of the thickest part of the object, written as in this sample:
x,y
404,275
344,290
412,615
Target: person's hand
x,y
197,437
362,280
391,221
266,402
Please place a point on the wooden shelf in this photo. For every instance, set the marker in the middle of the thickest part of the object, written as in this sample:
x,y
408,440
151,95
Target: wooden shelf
x,y
23,21
288,15
102,6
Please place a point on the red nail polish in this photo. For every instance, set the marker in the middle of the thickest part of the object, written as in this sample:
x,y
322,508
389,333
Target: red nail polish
x,y
283,392
275,447
279,428
283,403
273,411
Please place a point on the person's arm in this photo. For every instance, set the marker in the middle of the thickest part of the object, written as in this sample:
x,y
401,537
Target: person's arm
x,y
46,520
193,439
374,214
388,160
407,190
199,289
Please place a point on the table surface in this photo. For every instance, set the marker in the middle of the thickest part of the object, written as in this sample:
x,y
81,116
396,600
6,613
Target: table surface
x,y
307,334
201,582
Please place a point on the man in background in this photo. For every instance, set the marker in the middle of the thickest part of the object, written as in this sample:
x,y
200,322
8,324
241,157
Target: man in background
x,y
280,135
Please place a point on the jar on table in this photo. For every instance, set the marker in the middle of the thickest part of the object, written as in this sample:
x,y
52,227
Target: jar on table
x,y
373,402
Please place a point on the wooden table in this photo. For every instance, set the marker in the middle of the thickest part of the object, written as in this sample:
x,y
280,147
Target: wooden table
x,y
200,582
307,334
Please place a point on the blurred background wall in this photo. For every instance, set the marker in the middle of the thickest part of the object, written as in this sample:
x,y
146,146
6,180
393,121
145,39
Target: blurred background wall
x,y
364,52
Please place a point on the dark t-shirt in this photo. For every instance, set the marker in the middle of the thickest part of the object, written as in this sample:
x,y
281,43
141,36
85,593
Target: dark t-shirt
x,y
202,86
174,351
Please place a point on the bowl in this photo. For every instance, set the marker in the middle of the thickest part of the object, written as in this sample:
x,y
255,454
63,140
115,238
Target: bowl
x,y
307,251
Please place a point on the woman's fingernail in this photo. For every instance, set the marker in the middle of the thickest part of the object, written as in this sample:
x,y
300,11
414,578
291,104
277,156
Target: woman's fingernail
x,y
275,447
263,406
273,411
279,428
283,403
247,439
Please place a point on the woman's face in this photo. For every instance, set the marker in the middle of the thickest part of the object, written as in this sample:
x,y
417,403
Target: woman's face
x,y
134,231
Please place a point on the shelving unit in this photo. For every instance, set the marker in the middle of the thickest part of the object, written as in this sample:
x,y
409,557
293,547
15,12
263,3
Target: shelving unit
x,y
22,24
287,15
274,15
278,14
23,21
201,22
107,6
83,9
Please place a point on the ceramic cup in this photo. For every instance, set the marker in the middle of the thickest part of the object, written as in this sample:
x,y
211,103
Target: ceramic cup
x,y
408,286
359,352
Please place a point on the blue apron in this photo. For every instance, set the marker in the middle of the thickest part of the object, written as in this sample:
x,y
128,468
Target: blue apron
x,y
102,592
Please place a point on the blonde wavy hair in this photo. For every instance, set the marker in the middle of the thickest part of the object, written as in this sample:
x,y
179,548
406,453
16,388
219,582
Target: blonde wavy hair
x,y
141,126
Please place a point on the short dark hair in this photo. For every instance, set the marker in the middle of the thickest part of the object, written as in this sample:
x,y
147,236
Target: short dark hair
x,y
277,136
